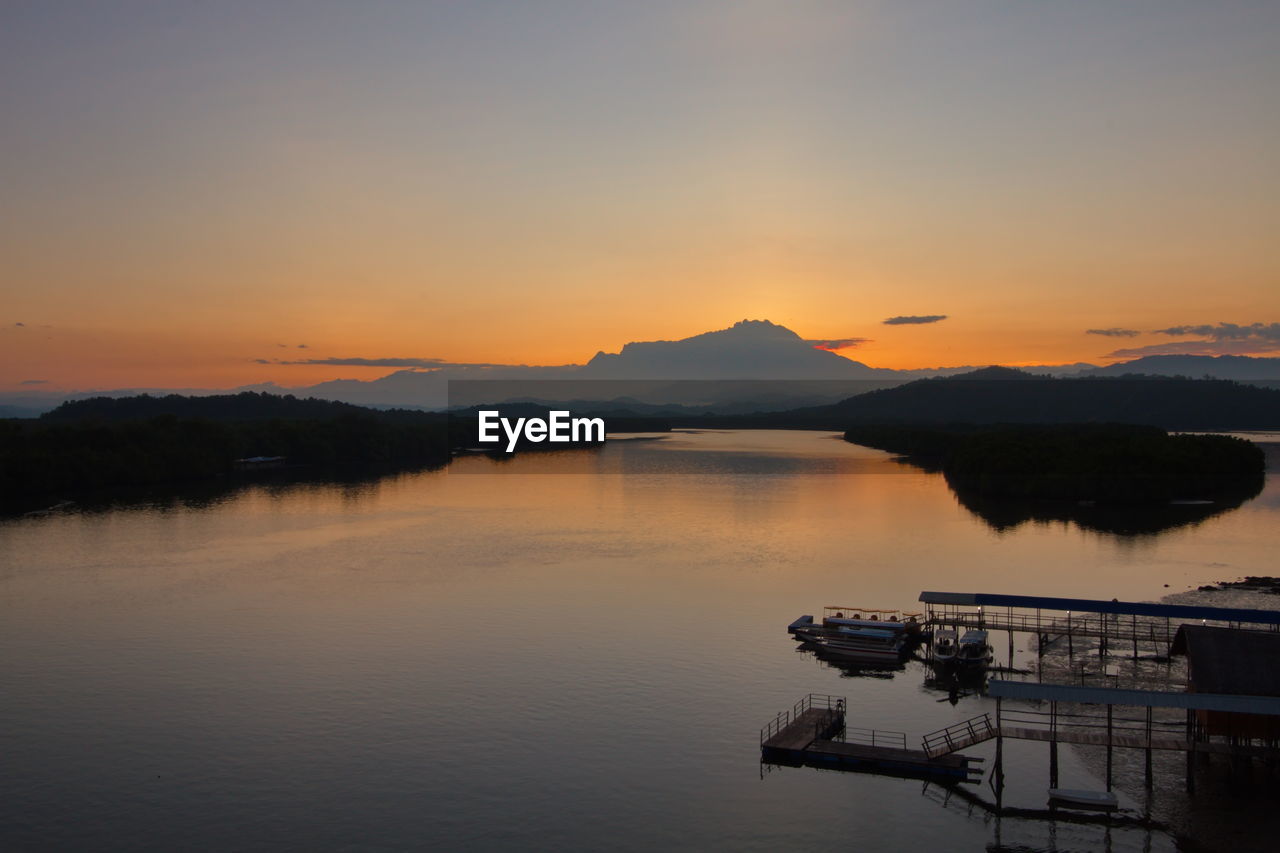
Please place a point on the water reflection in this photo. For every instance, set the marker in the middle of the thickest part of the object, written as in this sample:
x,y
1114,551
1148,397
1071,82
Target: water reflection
x,y
351,487
1004,515
312,664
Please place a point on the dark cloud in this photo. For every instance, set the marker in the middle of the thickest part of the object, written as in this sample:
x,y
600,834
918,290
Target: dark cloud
x,y
1197,348
19,324
34,381
836,344
1227,332
915,319
376,362
1114,333
1215,339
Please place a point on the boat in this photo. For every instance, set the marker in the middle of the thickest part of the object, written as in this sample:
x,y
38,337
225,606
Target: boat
x,y
835,618
973,651
861,645
944,645
1071,798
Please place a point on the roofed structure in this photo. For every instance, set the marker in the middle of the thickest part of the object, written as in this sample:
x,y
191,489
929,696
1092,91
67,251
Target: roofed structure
x,y
1235,662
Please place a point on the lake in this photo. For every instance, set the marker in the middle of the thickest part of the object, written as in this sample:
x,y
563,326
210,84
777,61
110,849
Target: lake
x,y
561,651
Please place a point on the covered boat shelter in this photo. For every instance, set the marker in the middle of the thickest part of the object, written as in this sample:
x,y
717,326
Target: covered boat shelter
x,y
1231,662
1110,622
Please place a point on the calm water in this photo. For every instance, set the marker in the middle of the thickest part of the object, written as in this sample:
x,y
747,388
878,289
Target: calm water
x,y
560,652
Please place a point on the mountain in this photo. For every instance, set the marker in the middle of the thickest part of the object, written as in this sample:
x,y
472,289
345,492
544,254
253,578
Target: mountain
x,y
749,349
728,361
1000,395
1242,368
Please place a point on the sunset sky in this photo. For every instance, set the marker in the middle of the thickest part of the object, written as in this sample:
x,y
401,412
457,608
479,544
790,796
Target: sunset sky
x,y
196,192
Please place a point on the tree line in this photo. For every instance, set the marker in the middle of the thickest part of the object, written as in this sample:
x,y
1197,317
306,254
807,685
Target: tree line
x,y
1110,463
107,443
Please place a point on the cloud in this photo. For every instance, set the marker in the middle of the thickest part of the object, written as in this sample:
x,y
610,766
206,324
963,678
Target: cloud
x,y
1215,339
1197,348
1113,333
19,324
34,381
835,344
915,320
376,362
1227,332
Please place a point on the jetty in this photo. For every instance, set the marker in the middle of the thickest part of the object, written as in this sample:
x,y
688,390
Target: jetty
x,y
814,733
1115,624
1229,705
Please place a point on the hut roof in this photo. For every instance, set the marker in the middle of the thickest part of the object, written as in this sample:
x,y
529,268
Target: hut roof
x,y
1231,660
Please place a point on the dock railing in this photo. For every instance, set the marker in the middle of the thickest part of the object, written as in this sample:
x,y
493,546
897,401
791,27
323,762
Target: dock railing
x,y
958,736
785,718
1054,624
875,737
1145,729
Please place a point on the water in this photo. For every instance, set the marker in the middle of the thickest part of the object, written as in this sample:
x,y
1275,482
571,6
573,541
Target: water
x,y
558,652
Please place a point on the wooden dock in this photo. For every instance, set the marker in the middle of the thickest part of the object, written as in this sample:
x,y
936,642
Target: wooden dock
x,y
807,735
890,761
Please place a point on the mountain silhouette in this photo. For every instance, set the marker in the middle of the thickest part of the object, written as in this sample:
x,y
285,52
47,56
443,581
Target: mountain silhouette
x,y
1240,367
1001,395
749,349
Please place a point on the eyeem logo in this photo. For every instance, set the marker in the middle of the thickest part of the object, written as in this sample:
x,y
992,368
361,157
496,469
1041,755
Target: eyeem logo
x,y
557,428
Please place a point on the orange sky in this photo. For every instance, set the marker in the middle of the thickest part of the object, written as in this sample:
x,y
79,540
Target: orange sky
x,y
190,194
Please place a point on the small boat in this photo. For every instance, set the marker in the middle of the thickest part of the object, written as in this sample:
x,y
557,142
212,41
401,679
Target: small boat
x,y
944,645
862,645
973,651
1071,798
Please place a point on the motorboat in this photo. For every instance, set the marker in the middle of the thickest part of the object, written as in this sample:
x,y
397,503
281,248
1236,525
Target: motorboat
x,y
1071,798
861,645
973,651
944,646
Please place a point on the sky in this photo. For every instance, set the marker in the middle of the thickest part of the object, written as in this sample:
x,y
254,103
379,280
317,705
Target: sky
x,y
196,194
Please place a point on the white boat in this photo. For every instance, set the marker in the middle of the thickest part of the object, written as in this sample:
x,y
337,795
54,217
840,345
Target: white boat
x,y
973,649
944,645
836,618
1071,798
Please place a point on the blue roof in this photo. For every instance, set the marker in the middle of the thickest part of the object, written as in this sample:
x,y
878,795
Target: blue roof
x,y
1128,608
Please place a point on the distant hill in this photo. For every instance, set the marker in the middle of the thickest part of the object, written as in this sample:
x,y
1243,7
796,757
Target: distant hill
x,y
1243,368
104,445
749,350
1002,395
1112,463
244,406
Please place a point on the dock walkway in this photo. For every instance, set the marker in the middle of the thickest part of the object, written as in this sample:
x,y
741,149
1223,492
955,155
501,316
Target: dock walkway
x,y
813,733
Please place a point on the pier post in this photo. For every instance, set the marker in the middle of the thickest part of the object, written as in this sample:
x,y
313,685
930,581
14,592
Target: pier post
x,y
1148,750
999,768
1109,749
1191,752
